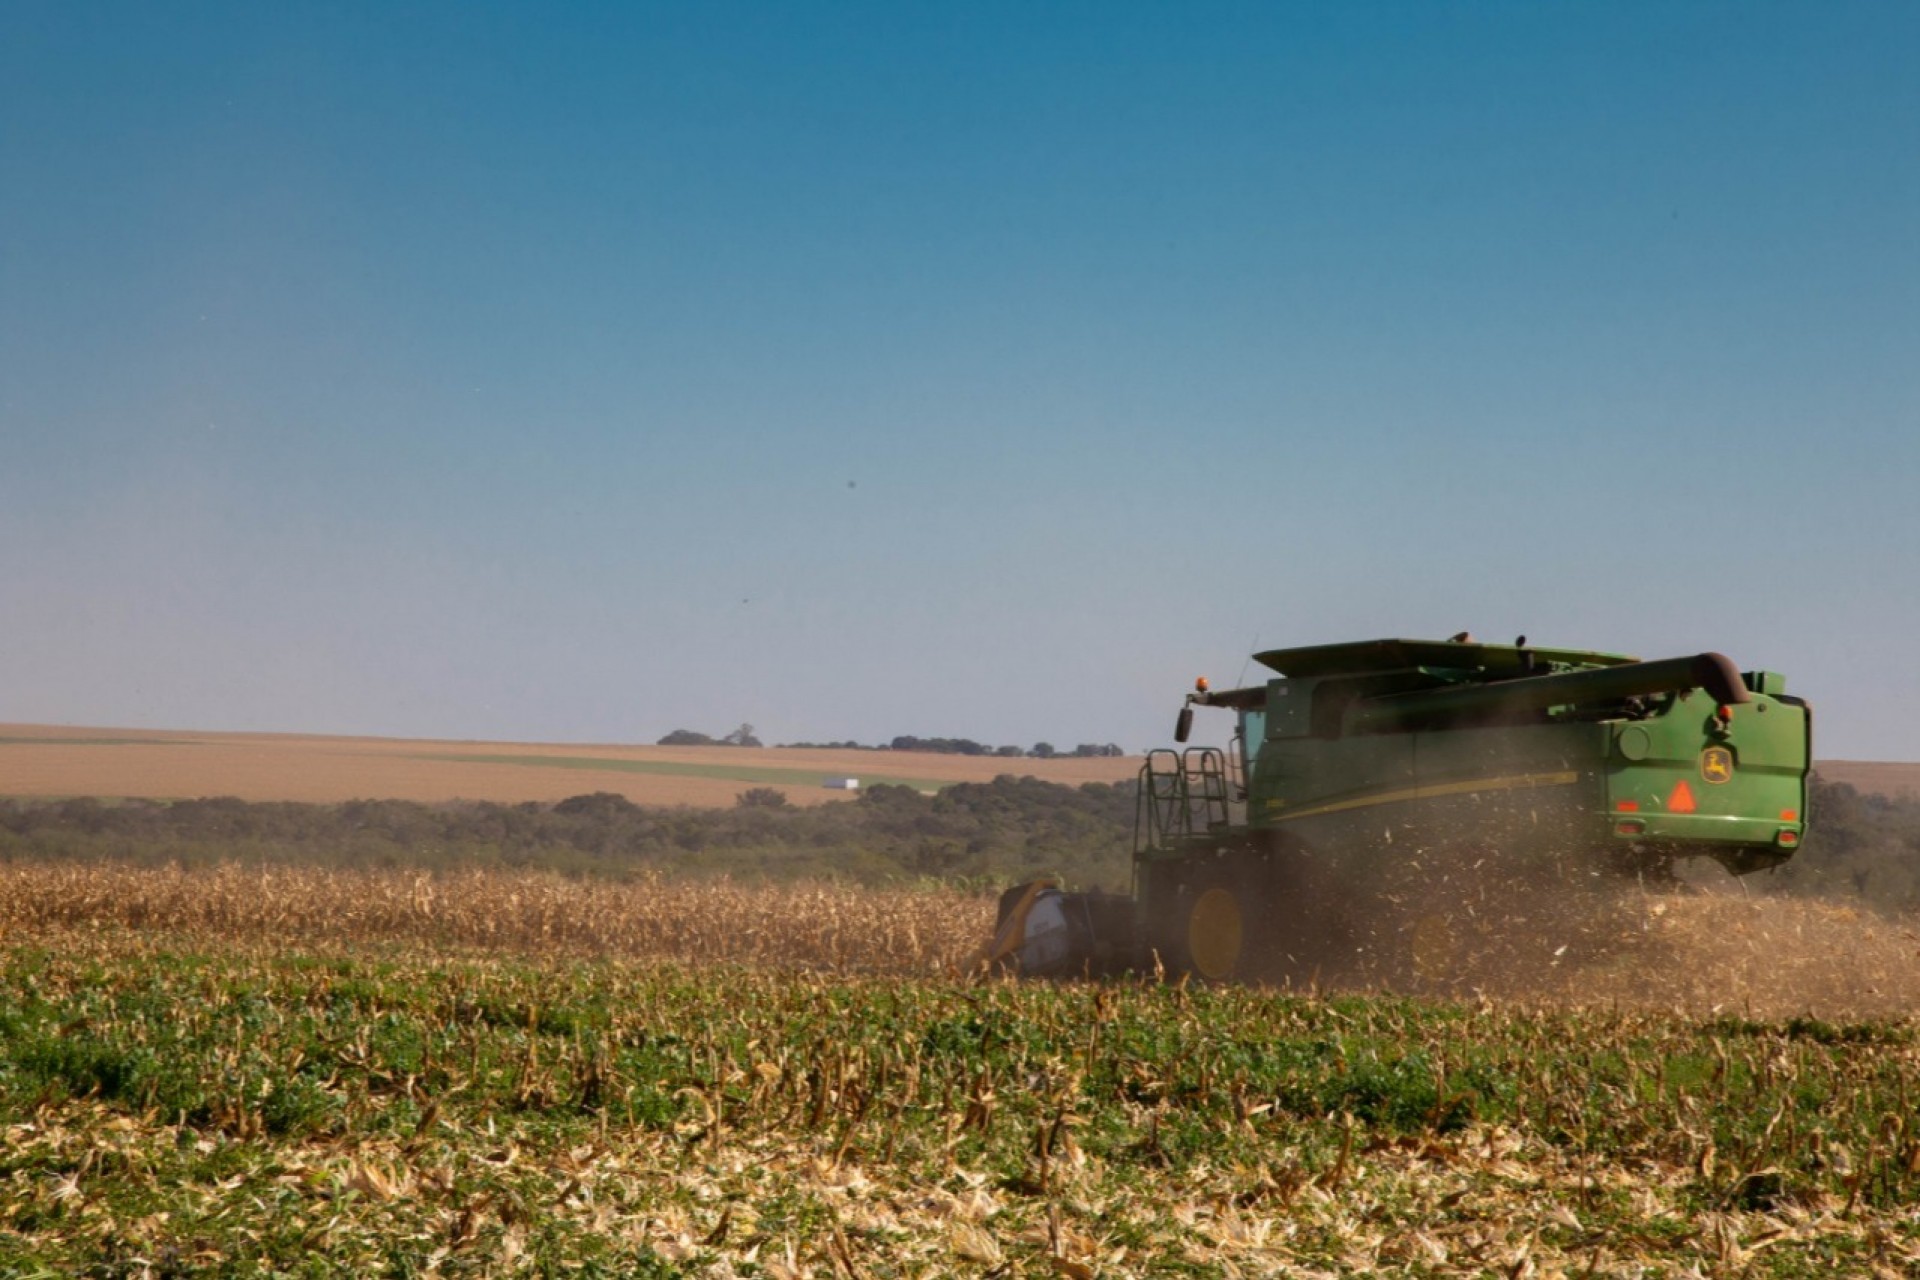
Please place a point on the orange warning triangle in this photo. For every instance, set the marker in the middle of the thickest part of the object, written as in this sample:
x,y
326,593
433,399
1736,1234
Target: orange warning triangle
x,y
1681,801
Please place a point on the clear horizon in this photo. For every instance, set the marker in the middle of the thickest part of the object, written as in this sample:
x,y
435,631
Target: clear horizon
x,y
498,372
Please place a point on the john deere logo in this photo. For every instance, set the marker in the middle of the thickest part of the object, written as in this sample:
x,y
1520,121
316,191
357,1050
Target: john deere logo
x,y
1716,764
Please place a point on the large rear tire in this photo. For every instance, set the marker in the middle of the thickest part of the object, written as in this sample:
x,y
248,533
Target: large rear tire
x,y
1257,911
1196,920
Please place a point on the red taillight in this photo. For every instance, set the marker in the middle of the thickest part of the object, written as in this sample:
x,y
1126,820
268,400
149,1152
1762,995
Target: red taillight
x,y
1627,806
1726,714
1681,801
1629,827
1787,839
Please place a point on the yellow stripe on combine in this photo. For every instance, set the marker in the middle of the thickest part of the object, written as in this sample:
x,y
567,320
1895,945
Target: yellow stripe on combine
x,y
1431,791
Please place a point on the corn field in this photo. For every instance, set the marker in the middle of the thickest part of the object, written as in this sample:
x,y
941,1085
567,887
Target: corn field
x,y
289,1072
697,922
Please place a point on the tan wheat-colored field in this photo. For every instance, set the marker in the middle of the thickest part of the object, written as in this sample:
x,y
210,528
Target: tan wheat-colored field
x,y
40,760
48,760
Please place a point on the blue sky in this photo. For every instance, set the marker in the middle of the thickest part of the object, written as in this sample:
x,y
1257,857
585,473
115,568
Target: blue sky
x,y
585,372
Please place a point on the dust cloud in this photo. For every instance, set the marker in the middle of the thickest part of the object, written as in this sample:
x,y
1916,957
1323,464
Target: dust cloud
x,y
1710,947
1763,957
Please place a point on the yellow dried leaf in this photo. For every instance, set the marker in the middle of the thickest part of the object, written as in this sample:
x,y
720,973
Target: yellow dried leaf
x,y
370,1180
974,1244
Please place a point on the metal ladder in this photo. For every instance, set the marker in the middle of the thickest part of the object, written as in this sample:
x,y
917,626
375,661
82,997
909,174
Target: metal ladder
x,y
1181,795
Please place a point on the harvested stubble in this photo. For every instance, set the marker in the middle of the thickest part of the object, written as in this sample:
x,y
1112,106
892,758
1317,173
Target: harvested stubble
x,y
263,1111
286,1070
808,925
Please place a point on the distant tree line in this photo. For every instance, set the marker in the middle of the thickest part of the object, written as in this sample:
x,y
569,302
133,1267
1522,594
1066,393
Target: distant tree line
x,y
741,737
968,747
1860,847
1000,831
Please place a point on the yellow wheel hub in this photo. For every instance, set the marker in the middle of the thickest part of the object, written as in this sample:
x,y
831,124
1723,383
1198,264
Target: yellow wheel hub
x,y
1214,933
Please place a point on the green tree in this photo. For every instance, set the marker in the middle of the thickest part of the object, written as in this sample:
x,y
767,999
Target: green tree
x,y
762,798
686,738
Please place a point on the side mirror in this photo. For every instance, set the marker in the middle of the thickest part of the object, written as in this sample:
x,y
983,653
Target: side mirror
x,y
1183,727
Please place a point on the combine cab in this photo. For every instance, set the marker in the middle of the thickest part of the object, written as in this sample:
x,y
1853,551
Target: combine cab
x,y
1381,803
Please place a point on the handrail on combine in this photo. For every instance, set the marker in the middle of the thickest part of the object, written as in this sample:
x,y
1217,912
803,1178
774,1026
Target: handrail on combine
x,y
1180,795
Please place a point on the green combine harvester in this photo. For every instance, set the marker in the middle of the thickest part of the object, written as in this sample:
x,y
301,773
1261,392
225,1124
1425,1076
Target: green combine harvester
x,y
1382,804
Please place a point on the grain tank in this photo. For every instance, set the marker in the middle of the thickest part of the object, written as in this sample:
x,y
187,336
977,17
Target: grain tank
x,y
1366,784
